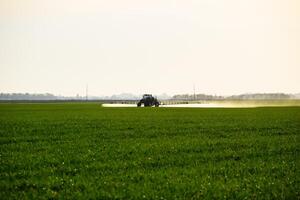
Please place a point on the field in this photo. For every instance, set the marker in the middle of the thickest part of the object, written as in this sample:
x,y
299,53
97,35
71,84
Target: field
x,y
85,151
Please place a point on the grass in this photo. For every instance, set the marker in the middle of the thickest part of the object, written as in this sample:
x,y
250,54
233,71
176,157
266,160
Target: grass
x,y
84,151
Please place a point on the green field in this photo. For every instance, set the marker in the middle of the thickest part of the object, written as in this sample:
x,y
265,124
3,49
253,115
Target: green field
x,y
84,151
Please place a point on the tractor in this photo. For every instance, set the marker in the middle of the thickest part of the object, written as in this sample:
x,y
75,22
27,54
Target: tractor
x,y
148,100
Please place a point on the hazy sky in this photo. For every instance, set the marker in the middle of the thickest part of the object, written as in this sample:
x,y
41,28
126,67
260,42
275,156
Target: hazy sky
x,y
137,46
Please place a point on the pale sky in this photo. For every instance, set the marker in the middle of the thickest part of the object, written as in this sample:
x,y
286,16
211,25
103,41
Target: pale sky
x,y
159,46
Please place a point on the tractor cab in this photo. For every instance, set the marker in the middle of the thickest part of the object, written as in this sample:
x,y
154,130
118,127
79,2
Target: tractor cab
x,y
148,100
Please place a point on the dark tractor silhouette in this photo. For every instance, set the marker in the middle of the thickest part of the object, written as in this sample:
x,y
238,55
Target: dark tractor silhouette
x,y
148,100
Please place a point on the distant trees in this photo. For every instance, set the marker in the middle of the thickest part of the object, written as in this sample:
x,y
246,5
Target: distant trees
x,y
255,96
128,96
26,96
261,96
197,97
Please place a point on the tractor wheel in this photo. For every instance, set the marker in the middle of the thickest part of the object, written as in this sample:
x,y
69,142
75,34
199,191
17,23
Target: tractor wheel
x,y
139,104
